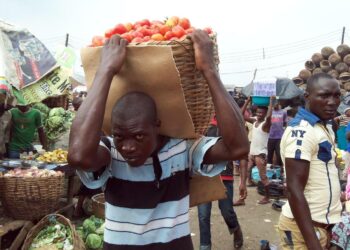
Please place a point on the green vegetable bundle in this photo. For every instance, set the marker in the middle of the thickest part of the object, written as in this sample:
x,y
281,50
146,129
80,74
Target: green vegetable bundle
x,y
58,122
56,234
92,233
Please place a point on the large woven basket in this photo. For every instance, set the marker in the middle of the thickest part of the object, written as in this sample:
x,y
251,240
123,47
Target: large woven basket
x,y
78,243
194,99
98,205
30,198
193,83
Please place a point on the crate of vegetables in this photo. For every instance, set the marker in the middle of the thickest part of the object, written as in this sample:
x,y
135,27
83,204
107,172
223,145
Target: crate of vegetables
x,y
160,62
31,193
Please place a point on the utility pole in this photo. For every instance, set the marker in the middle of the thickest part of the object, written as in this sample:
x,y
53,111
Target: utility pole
x,y
67,39
342,36
264,53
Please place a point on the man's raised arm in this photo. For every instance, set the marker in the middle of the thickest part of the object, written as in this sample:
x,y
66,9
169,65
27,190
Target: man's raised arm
x,y
234,143
84,150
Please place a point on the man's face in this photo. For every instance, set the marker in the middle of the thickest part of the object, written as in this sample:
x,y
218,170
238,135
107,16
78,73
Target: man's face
x,y
324,99
261,114
135,139
23,109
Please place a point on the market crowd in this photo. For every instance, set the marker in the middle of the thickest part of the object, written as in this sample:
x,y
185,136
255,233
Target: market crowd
x,y
145,175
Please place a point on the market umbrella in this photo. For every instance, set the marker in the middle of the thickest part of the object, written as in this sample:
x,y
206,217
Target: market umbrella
x,y
285,89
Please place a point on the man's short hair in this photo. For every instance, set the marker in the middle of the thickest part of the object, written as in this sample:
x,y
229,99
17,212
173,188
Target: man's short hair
x,y
135,104
262,107
313,80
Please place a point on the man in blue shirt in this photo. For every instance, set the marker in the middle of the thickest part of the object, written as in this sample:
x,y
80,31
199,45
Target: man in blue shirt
x,y
147,174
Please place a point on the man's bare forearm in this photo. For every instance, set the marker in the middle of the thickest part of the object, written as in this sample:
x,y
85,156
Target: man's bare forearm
x,y
230,120
87,125
302,216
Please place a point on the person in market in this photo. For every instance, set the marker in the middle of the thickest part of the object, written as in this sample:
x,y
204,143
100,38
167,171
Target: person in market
x,y
243,163
147,174
308,152
25,122
225,205
278,123
258,146
342,122
5,126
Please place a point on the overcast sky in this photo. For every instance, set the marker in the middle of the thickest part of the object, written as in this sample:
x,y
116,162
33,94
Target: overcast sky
x,y
285,32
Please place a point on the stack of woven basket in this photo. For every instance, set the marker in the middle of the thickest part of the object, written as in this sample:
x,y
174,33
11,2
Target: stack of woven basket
x,y
335,63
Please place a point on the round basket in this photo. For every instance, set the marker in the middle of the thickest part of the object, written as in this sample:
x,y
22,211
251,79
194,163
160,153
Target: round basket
x,y
78,243
347,86
347,59
344,77
98,205
30,198
317,58
343,50
333,73
341,67
310,65
316,71
326,52
325,65
334,59
304,74
297,80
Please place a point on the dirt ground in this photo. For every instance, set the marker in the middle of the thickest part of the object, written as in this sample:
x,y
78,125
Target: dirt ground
x,y
258,222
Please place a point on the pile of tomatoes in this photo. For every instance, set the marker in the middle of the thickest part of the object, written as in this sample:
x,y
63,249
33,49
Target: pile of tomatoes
x,y
173,28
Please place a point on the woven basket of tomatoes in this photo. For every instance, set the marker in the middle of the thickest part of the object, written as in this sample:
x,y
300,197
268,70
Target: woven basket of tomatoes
x,y
173,33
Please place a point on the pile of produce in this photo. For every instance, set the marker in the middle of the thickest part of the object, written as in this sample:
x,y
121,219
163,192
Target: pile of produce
x,y
56,121
173,28
91,232
54,236
56,156
335,63
32,172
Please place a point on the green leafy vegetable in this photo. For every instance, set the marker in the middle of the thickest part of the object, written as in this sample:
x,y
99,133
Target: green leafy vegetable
x,y
93,241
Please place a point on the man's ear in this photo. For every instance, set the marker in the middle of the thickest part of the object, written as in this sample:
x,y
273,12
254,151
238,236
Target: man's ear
x,y
306,95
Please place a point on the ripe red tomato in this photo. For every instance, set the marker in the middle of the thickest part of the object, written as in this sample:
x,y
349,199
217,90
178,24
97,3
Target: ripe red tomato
x,y
157,37
169,35
128,26
178,31
98,41
146,38
208,30
144,22
109,33
137,40
189,30
145,32
185,23
127,36
164,29
120,29
137,34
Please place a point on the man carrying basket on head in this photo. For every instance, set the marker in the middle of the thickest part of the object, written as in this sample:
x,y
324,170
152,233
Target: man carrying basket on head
x,y
147,174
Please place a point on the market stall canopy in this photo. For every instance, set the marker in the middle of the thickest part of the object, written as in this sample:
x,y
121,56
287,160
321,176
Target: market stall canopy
x,y
24,59
285,89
